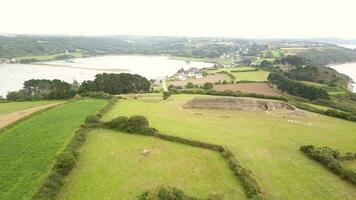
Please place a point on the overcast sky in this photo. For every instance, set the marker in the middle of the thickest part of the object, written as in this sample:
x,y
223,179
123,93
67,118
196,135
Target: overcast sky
x,y
221,18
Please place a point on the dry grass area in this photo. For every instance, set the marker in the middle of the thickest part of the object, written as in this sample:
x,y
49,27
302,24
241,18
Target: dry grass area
x,y
258,88
9,118
210,78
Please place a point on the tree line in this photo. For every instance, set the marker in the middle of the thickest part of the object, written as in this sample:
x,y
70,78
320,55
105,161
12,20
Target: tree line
x,y
298,89
36,89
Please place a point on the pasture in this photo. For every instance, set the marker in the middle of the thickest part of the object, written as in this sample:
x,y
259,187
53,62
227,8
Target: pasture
x,y
242,73
112,164
267,143
28,149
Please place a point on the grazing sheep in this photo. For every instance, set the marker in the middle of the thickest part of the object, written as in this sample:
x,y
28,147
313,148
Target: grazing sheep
x,y
145,152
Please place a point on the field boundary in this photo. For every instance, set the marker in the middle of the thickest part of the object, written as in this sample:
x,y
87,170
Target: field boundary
x,y
123,124
331,158
67,159
9,126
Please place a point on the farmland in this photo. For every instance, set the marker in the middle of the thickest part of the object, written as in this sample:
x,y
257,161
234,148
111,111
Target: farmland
x,y
6,108
259,88
211,78
243,73
28,150
267,143
112,163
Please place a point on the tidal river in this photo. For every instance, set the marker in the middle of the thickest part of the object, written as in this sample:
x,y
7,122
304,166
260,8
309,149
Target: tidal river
x,y
348,69
12,76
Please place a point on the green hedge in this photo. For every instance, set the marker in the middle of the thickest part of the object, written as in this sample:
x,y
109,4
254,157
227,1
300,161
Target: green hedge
x,y
331,159
249,183
65,161
165,193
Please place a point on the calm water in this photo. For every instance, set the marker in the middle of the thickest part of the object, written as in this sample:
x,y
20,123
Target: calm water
x,y
12,76
348,69
349,46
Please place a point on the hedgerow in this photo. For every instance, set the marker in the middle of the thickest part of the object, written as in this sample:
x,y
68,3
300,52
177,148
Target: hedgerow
x,y
331,159
165,193
249,183
66,160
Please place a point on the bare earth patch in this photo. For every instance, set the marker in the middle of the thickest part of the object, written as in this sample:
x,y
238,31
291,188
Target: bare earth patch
x,y
237,103
9,118
258,88
200,81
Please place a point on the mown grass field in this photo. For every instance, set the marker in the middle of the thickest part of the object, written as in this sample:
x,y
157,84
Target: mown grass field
x,y
112,166
243,75
265,143
6,108
28,149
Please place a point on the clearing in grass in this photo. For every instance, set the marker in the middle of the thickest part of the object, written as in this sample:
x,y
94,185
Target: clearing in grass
x,y
28,150
267,143
113,164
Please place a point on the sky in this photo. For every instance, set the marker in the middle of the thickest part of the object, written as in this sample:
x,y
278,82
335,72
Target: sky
x,y
206,18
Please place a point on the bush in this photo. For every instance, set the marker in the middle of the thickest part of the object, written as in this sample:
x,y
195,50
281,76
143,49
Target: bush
x,y
119,123
330,158
96,95
166,95
93,121
65,163
189,85
208,86
165,193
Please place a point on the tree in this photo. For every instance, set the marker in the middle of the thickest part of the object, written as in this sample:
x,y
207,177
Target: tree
x,y
189,85
208,86
166,95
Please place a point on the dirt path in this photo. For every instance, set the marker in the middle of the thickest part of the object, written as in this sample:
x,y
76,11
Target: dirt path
x,y
9,118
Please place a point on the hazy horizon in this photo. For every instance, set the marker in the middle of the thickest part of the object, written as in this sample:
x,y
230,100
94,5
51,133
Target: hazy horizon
x,y
275,19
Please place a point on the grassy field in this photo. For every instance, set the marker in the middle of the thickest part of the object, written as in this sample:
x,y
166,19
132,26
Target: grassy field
x,y
28,149
265,143
112,166
243,76
6,108
50,57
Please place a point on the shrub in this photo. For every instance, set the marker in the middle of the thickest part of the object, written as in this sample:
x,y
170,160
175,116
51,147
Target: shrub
x,y
166,95
189,85
77,97
97,95
330,158
208,86
165,193
93,121
119,123
137,123
65,163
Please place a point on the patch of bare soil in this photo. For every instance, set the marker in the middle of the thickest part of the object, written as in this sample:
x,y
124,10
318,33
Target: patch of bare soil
x,y
258,88
237,103
200,81
9,118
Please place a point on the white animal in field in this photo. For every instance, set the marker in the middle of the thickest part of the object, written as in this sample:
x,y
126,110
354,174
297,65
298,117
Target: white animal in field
x,y
145,152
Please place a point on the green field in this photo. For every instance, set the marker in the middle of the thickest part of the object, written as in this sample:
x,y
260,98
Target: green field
x,y
50,57
6,108
28,150
243,76
265,143
112,166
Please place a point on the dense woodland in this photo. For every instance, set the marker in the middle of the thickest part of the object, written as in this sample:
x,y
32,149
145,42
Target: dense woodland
x,y
36,89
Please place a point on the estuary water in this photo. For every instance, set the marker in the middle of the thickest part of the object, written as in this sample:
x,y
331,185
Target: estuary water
x,y
12,76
